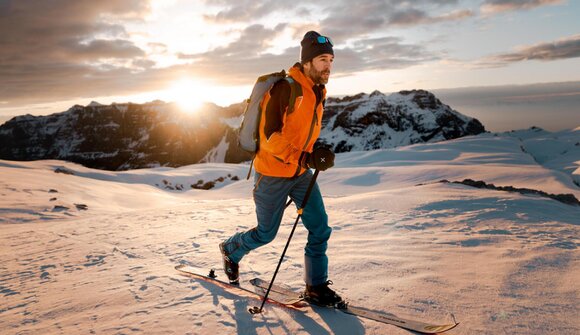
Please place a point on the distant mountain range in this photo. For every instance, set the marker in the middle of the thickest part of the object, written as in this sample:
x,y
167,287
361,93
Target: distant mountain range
x,y
128,136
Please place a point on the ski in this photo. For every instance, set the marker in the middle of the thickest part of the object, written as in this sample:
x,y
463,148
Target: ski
x,y
286,297
418,326
255,291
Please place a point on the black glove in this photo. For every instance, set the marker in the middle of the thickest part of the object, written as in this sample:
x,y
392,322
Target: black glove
x,y
320,159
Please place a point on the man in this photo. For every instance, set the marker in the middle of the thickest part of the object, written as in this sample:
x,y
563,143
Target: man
x,y
283,164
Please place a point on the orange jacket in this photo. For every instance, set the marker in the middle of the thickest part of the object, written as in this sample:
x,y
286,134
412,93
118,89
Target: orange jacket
x,y
279,154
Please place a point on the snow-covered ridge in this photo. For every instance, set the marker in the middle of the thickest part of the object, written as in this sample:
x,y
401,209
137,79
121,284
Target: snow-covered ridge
x,y
367,122
94,104
559,151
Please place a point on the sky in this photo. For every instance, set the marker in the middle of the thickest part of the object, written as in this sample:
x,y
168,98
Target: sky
x,y
54,54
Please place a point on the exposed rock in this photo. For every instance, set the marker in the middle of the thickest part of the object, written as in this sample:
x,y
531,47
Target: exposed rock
x,y
568,199
81,207
63,170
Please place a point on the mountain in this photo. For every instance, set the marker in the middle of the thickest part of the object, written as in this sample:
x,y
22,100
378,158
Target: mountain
x,y
121,136
377,121
129,136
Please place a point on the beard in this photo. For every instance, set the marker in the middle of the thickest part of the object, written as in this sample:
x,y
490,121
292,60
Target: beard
x,y
319,77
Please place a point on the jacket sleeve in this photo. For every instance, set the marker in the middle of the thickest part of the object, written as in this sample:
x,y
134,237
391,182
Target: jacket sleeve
x,y
276,142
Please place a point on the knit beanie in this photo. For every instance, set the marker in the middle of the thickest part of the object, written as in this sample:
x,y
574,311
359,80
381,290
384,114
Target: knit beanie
x,y
311,48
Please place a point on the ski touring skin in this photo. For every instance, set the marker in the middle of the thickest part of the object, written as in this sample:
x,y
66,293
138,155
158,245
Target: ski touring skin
x,y
288,298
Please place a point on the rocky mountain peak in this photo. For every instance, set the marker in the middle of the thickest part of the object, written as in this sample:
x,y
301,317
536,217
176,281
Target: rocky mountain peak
x,y
379,121
423,99
94,104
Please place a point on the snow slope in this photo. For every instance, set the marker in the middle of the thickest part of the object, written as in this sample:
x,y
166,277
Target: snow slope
x,y
559,151
502,263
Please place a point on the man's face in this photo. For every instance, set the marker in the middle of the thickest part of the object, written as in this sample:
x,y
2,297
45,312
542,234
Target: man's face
x,y
318,69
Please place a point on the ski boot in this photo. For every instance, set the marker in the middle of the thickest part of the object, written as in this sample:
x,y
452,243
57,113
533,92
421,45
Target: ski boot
x,y
322,295
231,268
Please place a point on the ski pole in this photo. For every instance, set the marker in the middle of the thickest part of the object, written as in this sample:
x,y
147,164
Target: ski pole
x,y
256,310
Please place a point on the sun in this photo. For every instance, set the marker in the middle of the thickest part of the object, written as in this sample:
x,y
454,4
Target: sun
x,y
191,94
188,94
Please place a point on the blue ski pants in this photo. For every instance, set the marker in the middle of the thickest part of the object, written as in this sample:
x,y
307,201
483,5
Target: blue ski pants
x,y
270,196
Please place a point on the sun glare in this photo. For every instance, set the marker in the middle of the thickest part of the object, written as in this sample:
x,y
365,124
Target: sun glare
x,y
188,94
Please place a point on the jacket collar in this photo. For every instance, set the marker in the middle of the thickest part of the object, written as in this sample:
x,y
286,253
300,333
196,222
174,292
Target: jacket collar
x,y
304,80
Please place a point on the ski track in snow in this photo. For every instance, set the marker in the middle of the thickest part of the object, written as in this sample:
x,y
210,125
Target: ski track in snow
x,y
502,263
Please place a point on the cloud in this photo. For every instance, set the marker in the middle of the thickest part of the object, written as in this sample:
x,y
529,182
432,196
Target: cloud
x,y
242,60
498,6
80,49
73,68
37,30
56,49
415,17
341,19
382,54
97,49
27,84
65,49
380,16
157,48
564,48
248,10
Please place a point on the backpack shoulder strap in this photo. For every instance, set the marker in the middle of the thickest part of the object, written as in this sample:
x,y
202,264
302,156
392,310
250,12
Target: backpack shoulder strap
x,y
295,92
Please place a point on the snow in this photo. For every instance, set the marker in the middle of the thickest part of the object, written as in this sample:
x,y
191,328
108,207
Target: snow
x,y
217,154
501,263
234,122
94,104
559,151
